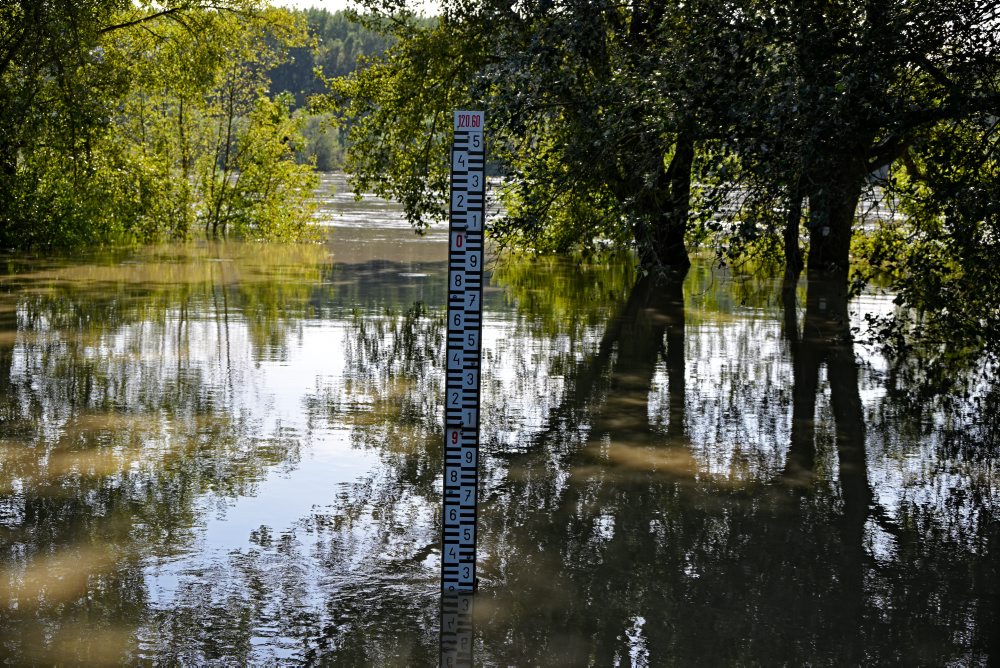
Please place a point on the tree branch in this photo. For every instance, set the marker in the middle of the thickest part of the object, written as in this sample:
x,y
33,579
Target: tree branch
x,y
141,20
173,12
935,72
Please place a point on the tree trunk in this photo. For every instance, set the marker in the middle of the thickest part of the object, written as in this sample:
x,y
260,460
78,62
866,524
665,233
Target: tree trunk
x,y
794,262
663,249
833,201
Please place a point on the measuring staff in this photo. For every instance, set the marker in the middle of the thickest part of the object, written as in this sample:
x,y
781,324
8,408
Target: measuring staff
x,y
462,387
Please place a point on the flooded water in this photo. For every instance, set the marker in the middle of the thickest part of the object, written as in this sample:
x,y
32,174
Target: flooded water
x,y
231,454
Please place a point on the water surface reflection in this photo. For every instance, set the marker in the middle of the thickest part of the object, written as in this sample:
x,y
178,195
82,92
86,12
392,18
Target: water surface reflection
x,y
234,453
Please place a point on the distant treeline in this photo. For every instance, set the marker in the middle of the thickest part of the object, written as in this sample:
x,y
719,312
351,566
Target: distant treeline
x,y
338,47
338,43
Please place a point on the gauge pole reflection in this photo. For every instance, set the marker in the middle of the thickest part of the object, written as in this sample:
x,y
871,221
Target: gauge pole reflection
x,y
456,630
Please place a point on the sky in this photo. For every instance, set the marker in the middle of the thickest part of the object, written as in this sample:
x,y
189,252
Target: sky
x,y
429,6
331,5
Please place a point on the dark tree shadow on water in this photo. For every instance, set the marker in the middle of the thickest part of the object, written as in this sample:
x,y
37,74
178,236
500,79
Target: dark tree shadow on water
x,y
825,339
611,543
593,542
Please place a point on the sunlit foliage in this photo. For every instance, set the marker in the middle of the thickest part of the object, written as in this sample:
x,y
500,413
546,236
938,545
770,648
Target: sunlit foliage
x,y
130,122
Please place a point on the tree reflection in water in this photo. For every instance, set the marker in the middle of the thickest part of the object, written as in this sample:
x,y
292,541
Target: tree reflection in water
x,y
616,540
111,438
673,473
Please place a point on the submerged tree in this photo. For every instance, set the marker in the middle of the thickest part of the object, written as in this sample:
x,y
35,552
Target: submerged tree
x,y
847,90
131,121
595,111
205,129
918,97
621,124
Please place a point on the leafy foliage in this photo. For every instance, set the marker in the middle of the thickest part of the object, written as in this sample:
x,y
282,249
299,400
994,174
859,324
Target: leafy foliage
x,y
844,89
161,128
588,113
740,123
941,258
